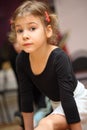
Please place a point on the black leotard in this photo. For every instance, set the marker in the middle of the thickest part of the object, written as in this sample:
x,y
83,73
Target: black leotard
x,y
57,81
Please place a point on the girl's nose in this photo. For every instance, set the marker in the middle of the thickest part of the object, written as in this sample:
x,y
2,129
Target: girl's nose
x,y
25,35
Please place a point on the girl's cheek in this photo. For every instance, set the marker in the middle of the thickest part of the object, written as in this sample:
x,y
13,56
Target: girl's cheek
x,y
18,39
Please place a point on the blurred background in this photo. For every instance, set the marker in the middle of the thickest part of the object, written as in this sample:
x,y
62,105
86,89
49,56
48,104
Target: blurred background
x,y
72,16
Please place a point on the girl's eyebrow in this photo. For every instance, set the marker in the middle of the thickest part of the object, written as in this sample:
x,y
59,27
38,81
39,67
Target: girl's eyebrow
x,y
18,25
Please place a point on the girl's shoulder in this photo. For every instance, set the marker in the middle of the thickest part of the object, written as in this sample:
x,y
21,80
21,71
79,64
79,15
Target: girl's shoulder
x,y
22,58
58,52
59,56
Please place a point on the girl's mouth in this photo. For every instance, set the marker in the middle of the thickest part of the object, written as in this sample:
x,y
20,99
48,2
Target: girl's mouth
x,y
26,44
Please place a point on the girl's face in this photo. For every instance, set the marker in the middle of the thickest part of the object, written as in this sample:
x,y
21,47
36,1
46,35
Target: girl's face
x,y
31,34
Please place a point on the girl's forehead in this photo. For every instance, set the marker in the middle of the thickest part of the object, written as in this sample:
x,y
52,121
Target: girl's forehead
x,y
27,19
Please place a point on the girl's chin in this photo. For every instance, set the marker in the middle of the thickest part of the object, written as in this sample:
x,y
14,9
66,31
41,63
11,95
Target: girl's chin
x,y
27,50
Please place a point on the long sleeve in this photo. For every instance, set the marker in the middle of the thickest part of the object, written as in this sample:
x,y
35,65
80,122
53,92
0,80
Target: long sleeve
x,y
67,83
25,84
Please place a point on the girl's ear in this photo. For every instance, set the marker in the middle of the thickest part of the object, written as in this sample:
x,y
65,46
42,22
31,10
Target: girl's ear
x,y
49,31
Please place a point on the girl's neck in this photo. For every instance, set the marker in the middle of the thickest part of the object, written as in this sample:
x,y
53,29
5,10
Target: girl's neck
x,y
42,53
39,60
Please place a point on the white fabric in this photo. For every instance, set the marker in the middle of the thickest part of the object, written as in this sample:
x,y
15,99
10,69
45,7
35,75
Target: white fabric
x,y
80,95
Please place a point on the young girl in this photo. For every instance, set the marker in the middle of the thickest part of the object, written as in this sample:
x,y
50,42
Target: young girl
x,y
44,65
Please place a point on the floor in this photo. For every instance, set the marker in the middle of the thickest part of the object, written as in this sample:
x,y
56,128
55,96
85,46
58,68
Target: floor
x,y
10,127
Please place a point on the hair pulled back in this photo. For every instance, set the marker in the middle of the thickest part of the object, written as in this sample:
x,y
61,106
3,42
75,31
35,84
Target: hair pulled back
x,y
39,9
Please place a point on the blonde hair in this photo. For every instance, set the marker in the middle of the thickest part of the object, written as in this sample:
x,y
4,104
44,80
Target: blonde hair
x,y
39,9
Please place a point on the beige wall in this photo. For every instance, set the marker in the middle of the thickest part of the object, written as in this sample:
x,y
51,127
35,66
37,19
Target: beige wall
x,y
73,18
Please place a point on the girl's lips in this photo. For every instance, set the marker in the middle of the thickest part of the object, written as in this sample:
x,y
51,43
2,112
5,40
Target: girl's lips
x,y
26,44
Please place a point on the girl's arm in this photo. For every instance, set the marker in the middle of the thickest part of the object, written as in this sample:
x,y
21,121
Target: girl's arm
x,y
75,126
28,120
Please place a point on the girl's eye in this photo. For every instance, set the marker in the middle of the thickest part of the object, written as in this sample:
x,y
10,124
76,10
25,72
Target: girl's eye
x,y
19,31
32,28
